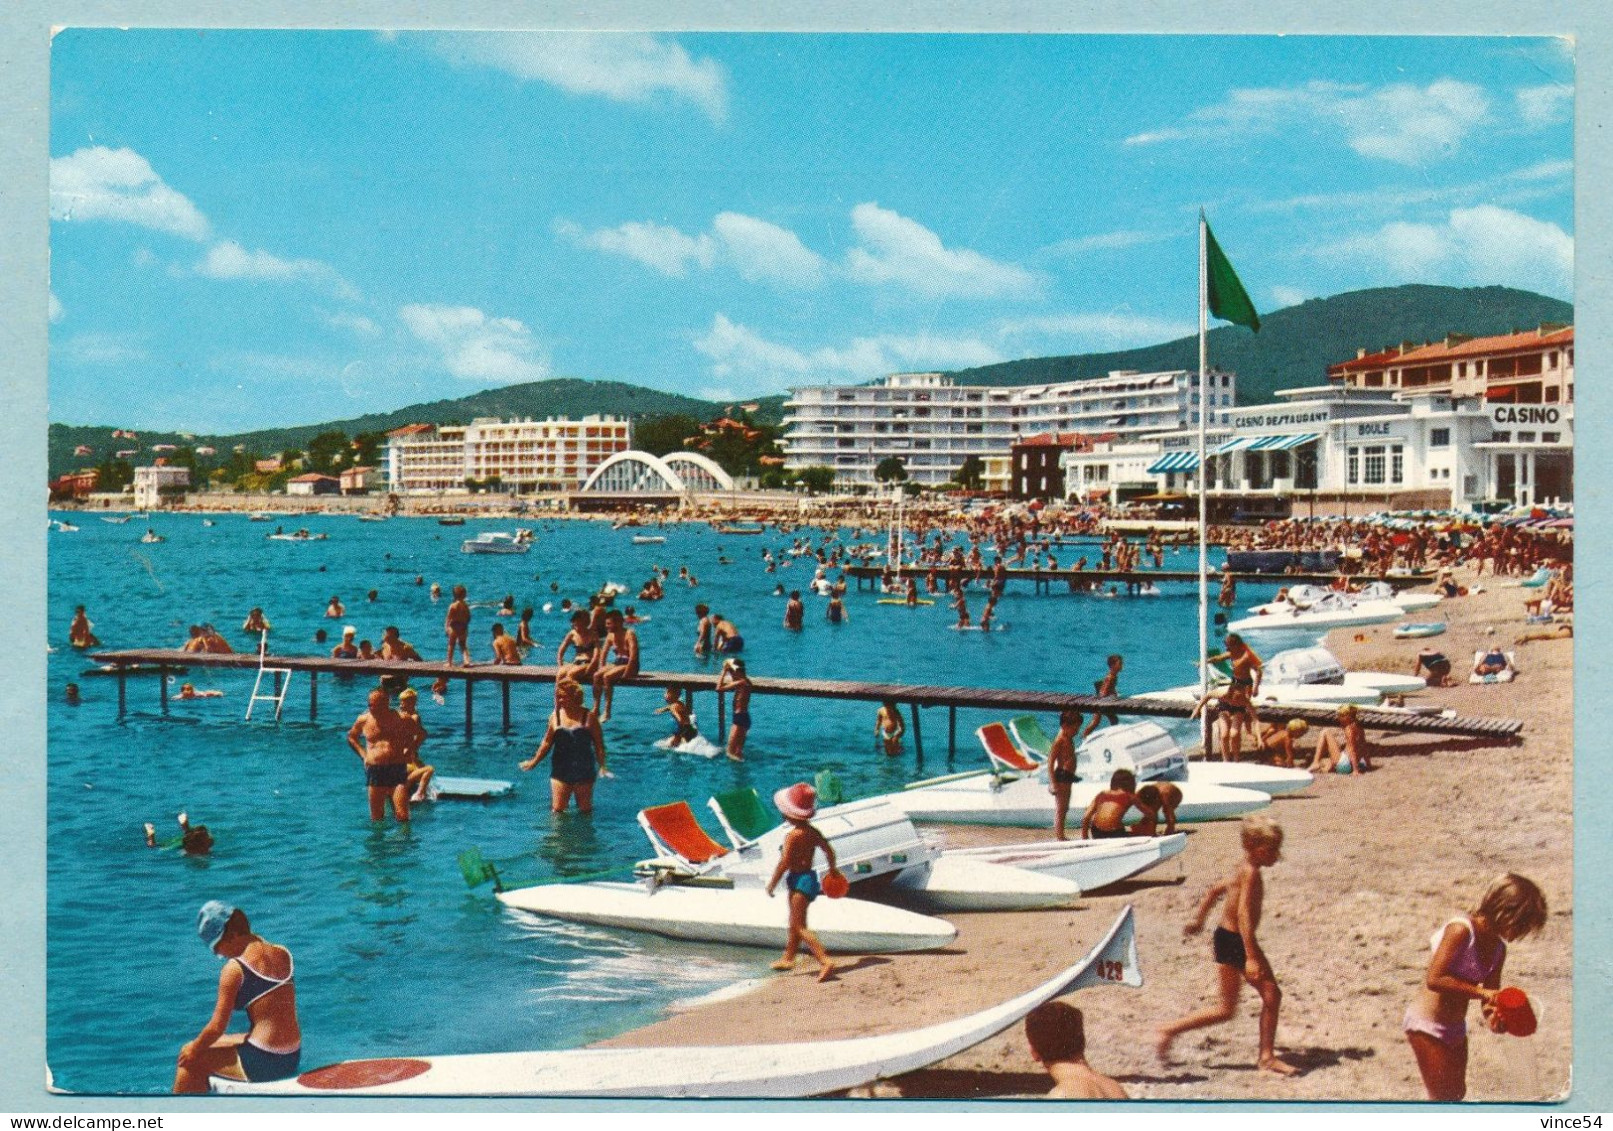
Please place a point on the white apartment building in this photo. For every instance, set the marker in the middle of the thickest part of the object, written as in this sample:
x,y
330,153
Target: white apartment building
x,y
934,424
156,485
524,456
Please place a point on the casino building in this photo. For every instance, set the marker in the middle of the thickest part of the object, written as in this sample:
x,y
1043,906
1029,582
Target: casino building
x,y
1456,424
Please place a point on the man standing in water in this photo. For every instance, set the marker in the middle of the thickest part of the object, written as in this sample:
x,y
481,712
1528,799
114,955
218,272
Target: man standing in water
x,y
457,627
385,753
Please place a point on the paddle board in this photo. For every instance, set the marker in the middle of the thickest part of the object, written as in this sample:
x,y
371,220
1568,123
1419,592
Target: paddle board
x,y
473,789
902,601
777,1071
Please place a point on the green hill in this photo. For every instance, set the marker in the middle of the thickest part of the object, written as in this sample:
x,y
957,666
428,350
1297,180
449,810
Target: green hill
x,y
1297,344
1294,347
536,399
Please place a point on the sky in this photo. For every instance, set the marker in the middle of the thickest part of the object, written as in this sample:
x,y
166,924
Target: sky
x,y
263,228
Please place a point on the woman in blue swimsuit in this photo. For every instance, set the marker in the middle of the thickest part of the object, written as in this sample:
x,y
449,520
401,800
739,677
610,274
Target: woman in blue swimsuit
x,y
257,978
578,748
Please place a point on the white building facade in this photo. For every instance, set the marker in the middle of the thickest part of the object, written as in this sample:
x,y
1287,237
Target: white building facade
x,y
520,456
1379,446
934,424
156,485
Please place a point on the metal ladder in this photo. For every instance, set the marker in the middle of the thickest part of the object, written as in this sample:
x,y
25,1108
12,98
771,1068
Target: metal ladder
x,y
282,681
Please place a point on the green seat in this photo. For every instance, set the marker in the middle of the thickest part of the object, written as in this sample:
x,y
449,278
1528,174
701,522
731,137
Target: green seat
x,y
742,815
828,787
1031,737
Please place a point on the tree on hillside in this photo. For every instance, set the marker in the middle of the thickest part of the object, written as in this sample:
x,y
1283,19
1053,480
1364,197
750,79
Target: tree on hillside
x,y
891,469
327,452
659,435
972,473
113,474
368,448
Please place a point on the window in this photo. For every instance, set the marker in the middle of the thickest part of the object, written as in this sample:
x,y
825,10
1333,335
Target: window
x,y
1526,437
1552,394
1501,438
1397,464
1550,437
1353,465
1373,464
1439,437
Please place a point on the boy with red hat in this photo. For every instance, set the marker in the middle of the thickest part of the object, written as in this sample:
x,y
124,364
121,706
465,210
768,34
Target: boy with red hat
x,y
798,803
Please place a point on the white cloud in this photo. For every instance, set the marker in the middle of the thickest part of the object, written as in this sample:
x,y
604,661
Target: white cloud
x,y
1516,186
120,186
1080,333
1543,105
229,260
476,347
897,250
357,323
1400,122
1282,296
96,348
1483,245
56,311
1103,241
763,251
665,249
737,351
623,66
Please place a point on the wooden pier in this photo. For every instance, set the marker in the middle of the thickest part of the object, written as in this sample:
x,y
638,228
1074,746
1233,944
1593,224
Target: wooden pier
x,y
1044,579
915,696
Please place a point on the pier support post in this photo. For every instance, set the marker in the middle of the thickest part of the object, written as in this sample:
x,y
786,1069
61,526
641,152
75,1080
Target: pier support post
x,y
952,732
504,688
123,693
918,731
162,685
469,701
313,695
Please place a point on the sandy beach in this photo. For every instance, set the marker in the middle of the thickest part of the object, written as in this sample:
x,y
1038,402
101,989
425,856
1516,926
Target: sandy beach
x,y
1372,865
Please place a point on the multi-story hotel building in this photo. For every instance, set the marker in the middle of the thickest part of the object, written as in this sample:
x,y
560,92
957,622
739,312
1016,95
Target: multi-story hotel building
x,y
1460,423
933,423
523,456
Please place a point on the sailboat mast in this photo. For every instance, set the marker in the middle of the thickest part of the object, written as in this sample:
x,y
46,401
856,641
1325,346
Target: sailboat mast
x,y
1203,471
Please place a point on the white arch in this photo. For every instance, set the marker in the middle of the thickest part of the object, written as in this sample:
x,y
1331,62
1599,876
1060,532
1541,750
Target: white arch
x,y
637,472
701,467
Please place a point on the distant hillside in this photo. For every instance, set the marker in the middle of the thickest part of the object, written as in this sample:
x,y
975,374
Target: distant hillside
x,y
536,399
1296,345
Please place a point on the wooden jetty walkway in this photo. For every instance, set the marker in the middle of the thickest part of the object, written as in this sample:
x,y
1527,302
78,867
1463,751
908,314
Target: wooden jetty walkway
x,y
1044,579
916,696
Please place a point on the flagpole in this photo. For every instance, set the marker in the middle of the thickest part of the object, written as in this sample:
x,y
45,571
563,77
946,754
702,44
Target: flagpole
x,y
1204,555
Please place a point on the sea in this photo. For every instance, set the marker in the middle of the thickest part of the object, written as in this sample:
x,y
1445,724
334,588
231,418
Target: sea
x,y
394,954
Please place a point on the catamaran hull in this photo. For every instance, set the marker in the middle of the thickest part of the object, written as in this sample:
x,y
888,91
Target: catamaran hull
x,y
1270,780
1026,803
738,916
1367,612
780,1071
1089,864
967,884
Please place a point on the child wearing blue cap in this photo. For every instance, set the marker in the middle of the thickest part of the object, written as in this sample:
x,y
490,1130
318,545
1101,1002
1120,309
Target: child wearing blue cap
x,y
257,979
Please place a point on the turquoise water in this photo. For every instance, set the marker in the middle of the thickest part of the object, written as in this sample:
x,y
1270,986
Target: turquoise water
x,y
394,955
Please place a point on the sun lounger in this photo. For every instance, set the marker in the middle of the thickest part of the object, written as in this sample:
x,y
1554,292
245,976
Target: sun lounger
x,y
1001,749
743,817
674,833
1541,577
1494,677
1031,737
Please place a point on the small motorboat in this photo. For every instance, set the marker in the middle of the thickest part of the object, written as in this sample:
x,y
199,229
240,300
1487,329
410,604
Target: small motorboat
x,y
450,520
373,518
151,536
260,516
649,539
495,542
1317,667
65,527
208,522
297,536
118,519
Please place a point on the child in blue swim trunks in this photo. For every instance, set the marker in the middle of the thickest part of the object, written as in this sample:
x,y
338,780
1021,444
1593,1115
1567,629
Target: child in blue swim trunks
x,y
799,803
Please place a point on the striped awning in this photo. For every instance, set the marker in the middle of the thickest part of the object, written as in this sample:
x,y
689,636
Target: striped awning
x,y
1175,461
1236,443
1284,442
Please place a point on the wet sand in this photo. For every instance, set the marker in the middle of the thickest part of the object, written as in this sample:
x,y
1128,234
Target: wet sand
x,y
1371,867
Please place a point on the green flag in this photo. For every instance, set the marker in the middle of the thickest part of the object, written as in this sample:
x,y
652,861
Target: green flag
x,y
1228,300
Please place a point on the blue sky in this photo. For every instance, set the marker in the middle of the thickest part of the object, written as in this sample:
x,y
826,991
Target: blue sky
x,y
264,228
